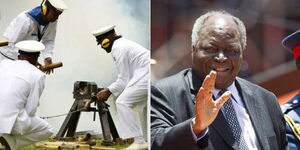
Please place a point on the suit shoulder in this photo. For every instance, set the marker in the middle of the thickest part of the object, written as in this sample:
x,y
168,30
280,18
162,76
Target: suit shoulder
x,y
254,87
170,80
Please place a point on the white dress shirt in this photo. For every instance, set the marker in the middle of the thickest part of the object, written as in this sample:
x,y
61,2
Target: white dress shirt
x,y
243,117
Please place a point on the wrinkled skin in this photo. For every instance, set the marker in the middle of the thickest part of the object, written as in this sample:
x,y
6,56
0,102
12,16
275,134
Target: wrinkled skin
x,y
218,48
216,59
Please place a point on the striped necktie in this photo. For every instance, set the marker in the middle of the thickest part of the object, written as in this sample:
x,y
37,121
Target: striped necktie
x,y
232,121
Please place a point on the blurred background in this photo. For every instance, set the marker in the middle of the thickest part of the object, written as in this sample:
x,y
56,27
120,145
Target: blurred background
x,y
266,62
76,47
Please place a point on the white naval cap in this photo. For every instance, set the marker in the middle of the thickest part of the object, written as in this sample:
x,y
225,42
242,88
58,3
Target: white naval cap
x,y
103,30
58,4
30,46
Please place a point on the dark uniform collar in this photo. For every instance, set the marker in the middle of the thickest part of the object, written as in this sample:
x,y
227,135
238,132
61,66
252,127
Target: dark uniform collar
x,y
36,14
291,104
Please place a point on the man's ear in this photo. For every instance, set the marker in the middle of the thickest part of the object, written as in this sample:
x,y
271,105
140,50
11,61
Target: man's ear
x,y
193,50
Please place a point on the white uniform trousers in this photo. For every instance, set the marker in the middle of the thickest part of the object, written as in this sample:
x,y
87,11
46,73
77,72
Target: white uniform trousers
x,y
131,97
34,129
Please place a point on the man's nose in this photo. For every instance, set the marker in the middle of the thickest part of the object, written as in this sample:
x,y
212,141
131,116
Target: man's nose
x,y
220,57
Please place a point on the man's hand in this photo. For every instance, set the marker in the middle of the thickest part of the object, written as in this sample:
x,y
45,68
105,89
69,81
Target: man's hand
x,y
38,65
206,109
103,95
48,61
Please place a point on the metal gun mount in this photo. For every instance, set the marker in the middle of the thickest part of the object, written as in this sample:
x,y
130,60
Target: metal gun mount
x,y
84,94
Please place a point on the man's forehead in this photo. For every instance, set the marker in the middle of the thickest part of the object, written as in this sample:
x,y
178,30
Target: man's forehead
x,y
222,25
219,28
219,21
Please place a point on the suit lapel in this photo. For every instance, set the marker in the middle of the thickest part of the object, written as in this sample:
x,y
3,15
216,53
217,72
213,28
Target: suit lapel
x,y
254,108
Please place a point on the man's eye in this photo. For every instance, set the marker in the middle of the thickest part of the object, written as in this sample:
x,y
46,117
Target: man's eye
x,y
232,51
210,50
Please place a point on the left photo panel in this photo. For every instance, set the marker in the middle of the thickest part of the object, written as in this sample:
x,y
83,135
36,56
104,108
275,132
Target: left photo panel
x,y
74,74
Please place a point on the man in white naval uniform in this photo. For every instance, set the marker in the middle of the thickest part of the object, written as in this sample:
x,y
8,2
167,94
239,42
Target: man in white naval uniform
x,y
21,86
37,24
131,87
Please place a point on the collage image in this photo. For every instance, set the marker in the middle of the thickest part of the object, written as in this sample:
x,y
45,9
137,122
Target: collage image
x,y
149,75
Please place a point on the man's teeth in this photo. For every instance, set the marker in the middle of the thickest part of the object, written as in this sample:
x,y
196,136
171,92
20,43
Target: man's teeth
x,y
220,69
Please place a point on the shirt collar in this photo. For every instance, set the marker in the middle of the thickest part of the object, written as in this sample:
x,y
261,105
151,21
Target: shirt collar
x,y
114,44
232,88
36,14
195,85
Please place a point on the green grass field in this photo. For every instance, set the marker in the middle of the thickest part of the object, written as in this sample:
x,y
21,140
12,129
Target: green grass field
x,y
117,147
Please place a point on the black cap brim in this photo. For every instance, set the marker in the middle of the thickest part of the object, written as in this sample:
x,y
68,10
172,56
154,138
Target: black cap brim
x,y
291,41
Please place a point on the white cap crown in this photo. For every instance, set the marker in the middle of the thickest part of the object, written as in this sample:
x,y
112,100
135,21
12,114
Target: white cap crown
x,y
58,4
30,46
103,30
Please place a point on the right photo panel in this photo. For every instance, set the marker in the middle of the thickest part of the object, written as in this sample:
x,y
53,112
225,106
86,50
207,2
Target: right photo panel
x,y
223,75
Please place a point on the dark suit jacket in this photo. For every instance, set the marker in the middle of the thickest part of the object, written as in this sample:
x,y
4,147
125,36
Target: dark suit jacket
x,y
172,108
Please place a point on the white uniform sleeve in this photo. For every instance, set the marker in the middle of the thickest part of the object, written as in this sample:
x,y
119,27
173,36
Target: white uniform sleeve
x,y
34,96
122,64
48,40
16,31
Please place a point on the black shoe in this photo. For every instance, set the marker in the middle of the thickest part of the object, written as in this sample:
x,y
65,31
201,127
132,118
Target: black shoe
x,y
4,143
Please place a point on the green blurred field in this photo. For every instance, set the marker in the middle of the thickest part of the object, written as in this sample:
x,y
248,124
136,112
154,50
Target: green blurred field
x,y
118,147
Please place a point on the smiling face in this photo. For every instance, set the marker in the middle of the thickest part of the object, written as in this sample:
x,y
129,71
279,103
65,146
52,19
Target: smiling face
x,y
218,48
